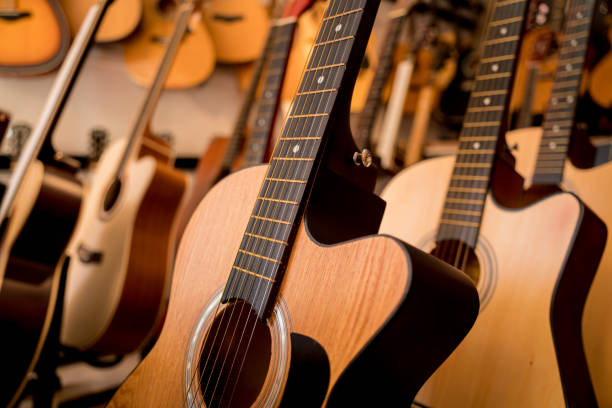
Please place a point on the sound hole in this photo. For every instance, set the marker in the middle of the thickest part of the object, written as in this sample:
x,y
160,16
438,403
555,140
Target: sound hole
x,y
460,255
235,358
112,194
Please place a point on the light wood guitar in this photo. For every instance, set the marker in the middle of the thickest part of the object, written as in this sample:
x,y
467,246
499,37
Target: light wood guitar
x,y
223,155
195,59
532,258
122,250
35,36
541,157
238,28
296,322
38,212
121,20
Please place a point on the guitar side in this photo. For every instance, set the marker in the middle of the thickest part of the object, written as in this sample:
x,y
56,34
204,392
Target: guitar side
x,y
591,185
38,36
527,275
355,300
120,265
48,201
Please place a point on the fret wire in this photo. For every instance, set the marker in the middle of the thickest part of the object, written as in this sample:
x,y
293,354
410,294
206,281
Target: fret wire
x,y
253,273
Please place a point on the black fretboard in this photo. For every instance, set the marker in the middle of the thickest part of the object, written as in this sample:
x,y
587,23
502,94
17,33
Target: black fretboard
x,y
483,126
267,108
265,248
559,118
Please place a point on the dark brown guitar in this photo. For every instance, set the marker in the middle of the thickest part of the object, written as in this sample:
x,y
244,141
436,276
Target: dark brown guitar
x,y
262,312
38,212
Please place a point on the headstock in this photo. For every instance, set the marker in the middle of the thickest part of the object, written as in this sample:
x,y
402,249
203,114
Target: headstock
x,y
295,8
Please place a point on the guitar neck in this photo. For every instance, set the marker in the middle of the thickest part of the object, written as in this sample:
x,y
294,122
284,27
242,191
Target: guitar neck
x,y
184,12
483,130
368,113
56,100
559,118
237,139
261,133
333,64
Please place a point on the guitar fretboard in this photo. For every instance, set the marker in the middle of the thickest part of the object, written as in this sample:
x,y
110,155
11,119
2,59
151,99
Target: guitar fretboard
x,y
266,245
267,108
559,119
483,125
368,113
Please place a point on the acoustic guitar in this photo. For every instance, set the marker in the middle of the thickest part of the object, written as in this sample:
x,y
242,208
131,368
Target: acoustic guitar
x,y
224,155
296,322
121,20
38,212
195,59
541,156
238,28
532,258
123,247
35,36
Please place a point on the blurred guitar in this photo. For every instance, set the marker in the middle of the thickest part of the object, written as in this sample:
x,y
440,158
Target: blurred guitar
x,y
121,19
194,61
34,36
238,28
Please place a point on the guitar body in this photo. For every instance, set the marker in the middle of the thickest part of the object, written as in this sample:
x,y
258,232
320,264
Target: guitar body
x,y
600,88
204,178
120,261
35,38
526,258
238,28
343,305
194,61
33,245
120,20
593,186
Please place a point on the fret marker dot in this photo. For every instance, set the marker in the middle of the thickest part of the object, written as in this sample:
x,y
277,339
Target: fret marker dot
x,y
494,67
552,145
261,122
338,27
476,145
574,43
554,101
268,94
320,79
555,128
568,67
486,101
296,148
579,15
570,99
503,30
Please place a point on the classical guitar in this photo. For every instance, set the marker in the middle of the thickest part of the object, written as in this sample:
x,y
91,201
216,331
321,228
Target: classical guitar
x,y
224,154
284,319
35,36
195,59
123,247
238,28
533,258
541,156
38,212
121,20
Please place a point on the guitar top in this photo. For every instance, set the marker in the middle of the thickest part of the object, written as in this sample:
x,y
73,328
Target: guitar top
x,y
35,37
121,20
194,62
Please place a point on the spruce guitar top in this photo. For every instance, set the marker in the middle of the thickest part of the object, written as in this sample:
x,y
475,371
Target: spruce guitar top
x,y
35,36
532,258
285,319
38,213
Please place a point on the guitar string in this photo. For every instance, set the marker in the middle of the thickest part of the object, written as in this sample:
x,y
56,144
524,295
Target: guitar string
x,y
314,146
261,224
206,337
